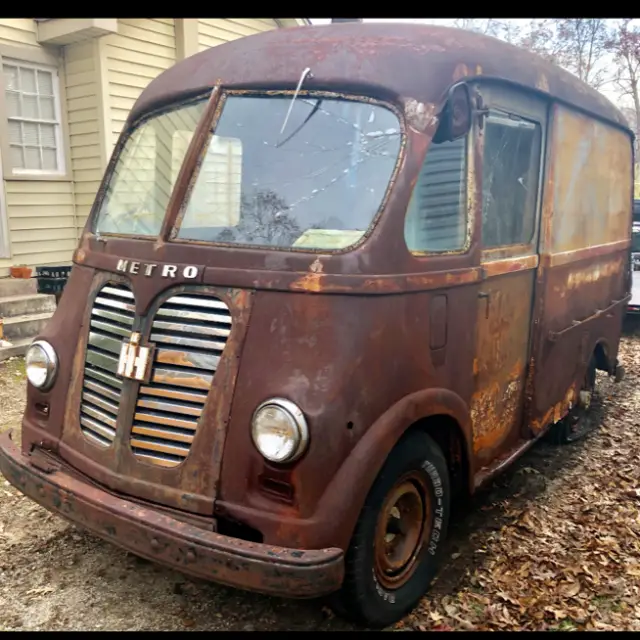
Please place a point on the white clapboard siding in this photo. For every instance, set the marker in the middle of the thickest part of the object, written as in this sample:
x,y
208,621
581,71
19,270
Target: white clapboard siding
x,y
141,50
19,32
41,222
83,109
40,214
215,31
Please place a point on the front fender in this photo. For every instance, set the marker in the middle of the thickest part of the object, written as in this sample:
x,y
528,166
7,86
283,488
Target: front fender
x,y
344,498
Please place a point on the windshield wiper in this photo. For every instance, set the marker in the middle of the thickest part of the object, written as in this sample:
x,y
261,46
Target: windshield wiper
x,y
311,113
305,73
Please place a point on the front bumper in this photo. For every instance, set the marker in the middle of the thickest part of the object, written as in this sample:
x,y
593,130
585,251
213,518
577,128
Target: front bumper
x,y
166,540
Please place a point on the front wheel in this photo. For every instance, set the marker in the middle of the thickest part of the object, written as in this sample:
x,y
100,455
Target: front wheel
x,y
393,555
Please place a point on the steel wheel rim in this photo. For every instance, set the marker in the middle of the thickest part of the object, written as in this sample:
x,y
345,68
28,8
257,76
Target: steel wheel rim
x,y
401,530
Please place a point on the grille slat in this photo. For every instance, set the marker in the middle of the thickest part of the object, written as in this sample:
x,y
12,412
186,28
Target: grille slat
x,y
185,361
174,394
184,341
100,402
101,387
110,327
187,358
116,304
157,418
118,318
185,314
170,407
103,376
195,329
174,376
155,444
97,414
156,432
102,360
105,343
157,458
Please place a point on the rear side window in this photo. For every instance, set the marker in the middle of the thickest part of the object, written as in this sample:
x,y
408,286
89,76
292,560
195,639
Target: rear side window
x,y
436,219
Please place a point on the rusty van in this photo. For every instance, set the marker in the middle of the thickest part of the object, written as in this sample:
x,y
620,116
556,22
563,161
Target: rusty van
x,y
334,278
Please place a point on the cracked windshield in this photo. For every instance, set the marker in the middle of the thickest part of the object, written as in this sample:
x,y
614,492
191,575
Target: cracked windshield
x,y
138,191
314,180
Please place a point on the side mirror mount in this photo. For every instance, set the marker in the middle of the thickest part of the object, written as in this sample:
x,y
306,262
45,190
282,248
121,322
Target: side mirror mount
x,y
456,115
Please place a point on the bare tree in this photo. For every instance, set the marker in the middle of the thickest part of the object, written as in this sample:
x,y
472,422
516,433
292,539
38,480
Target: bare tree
x,y
625,46
540,36
583,42
488,26
264,220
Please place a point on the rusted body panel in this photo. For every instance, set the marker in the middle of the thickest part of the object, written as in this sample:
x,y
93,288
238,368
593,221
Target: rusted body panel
x,y
586,223
415,62
367,342
314,344
500,363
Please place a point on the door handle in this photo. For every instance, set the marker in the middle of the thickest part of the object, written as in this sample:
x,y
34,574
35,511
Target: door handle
x,y
486,296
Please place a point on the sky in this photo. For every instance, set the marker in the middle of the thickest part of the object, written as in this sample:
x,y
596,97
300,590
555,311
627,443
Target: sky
x,y
608,90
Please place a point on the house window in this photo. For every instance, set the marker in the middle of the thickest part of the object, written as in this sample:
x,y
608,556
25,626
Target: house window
x,y
33,110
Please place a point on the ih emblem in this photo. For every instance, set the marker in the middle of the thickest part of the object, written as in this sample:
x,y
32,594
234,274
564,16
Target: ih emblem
x,y
135,360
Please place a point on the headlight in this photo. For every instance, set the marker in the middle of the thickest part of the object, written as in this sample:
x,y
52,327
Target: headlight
x,y
41,364
279,430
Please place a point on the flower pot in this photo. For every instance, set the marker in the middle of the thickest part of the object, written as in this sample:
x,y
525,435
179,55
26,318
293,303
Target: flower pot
x,y
21,272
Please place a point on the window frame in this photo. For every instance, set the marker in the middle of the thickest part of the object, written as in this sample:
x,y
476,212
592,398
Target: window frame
x,y
173,237
526,105
44,61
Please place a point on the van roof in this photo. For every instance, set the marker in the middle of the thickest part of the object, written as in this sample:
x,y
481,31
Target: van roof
x,y
403,62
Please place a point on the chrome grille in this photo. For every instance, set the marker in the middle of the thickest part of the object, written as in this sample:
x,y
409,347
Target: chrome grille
x,y
111,320
189,332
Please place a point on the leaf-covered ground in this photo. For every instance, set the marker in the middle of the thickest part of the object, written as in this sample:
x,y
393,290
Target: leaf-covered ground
x,y
552,544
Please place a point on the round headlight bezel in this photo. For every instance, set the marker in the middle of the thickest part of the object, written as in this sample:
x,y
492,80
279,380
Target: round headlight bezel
x,y
295,414
51,367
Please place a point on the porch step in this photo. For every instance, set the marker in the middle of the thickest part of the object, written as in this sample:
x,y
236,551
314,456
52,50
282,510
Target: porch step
x,y
17,286
17,348
21,305
26,326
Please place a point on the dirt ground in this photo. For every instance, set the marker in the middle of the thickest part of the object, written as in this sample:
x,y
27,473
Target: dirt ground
x,y
552,544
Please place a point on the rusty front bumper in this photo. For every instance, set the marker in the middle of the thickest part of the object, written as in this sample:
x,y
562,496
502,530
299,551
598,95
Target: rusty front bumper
x,y
159,537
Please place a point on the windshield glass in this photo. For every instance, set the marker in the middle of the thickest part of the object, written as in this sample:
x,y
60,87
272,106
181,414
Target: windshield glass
x,y
316,185
635,241
138,191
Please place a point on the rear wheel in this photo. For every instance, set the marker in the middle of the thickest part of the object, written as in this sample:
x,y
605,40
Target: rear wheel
x,y
580,420
393,554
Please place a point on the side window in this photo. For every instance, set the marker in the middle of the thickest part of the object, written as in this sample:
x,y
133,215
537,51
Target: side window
x,y
436,219
511,166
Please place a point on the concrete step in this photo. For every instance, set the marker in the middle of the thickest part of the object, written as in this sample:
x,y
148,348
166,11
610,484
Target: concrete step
x,y
17,286
17,348
26,326
12,306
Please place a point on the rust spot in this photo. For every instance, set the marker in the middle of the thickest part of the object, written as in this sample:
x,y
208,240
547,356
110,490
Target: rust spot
x,y
420,116
592,273
542,83
308,282
461,71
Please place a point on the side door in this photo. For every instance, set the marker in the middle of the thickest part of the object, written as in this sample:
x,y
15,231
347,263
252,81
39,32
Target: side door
x,y
511,142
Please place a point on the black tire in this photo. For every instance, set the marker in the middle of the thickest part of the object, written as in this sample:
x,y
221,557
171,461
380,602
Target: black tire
x,y
564,431
416,460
